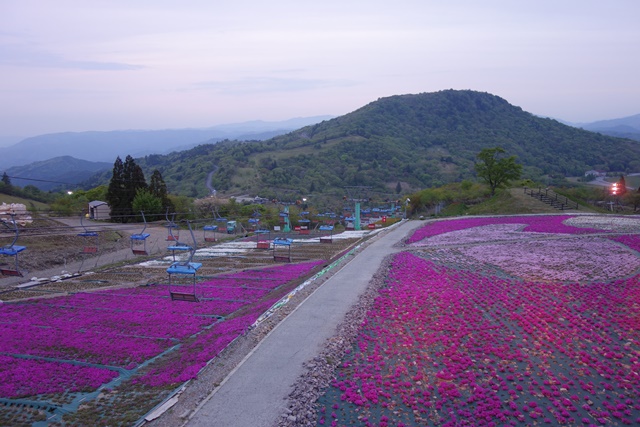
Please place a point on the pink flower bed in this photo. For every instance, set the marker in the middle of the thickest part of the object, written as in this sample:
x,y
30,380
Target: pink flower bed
x,y
125,327
528,330
28,377
533,224
195,355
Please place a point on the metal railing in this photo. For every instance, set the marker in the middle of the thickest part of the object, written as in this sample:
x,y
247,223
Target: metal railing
x,y
551,198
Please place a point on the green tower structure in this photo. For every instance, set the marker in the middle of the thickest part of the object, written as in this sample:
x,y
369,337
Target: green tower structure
x,y
287,222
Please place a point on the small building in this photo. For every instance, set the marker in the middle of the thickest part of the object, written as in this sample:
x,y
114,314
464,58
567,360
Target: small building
x,y
99,210
595,173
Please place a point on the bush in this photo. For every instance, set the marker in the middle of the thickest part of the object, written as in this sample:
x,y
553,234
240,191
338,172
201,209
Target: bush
x,y
146,202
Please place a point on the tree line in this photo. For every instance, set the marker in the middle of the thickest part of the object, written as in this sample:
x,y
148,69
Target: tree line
x,y
128,193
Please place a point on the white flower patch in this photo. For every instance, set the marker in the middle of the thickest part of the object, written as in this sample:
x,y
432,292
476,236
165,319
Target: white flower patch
x,y
227,248
355,234
156,262
577,259
349,234
604,222
485,233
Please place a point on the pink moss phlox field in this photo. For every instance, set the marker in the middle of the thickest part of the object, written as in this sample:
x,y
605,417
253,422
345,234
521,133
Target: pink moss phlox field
x,y
534,224
451,347
197,353
125,327
28,377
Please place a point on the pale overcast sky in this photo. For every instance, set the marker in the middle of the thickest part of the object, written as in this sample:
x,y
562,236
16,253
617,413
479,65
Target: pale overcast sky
x,y
76,65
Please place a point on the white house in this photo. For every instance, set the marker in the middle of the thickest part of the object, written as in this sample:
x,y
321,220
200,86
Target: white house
x,y
99,210
595,173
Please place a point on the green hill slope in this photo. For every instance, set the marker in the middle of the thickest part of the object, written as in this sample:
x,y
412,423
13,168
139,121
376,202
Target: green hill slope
x,y
418,140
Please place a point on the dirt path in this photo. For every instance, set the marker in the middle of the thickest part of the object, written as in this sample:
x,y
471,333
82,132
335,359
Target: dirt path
x,y
61,252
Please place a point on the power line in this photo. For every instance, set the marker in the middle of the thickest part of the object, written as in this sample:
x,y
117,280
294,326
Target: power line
x,y
42,180
67,183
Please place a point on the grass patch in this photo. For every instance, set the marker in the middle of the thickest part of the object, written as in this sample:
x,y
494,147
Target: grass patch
x,y
455,209
503,202
30,204
632,181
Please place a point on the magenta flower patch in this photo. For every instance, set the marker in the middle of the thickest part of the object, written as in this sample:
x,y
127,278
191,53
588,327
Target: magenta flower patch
x,y
497,329
29,377
53,345
530,224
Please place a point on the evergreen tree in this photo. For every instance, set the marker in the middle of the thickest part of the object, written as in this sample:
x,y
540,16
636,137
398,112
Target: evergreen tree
x,y
126,179
133,181
398,188
6,180
158,188
115,192
7,188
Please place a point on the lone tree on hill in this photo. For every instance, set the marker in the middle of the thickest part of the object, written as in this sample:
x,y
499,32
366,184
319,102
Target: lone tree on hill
x,y
497,171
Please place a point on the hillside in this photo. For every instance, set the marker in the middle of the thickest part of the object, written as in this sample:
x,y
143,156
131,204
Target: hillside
x,y
418,141
63,171
30,204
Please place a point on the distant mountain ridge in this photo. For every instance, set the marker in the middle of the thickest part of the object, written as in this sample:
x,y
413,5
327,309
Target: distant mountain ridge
x,y
106,146
625,127
63,171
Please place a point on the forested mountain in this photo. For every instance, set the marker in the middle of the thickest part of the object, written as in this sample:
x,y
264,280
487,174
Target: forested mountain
x,y
417,140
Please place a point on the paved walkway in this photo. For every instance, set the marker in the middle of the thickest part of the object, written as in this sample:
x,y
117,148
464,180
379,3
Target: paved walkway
x,y
255,393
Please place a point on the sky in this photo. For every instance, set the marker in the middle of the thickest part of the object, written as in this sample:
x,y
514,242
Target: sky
x,y
80,65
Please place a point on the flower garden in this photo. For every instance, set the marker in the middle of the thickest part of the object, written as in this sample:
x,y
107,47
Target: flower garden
x,y
111,345
521,321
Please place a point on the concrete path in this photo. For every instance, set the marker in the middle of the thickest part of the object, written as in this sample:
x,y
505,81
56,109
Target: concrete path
x,y
255,393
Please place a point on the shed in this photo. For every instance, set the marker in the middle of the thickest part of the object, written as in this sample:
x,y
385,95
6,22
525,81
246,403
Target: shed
x,y
99,210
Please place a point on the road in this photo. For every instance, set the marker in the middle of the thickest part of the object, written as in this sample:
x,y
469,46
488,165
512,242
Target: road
x,y
212,190
255,393
600,180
